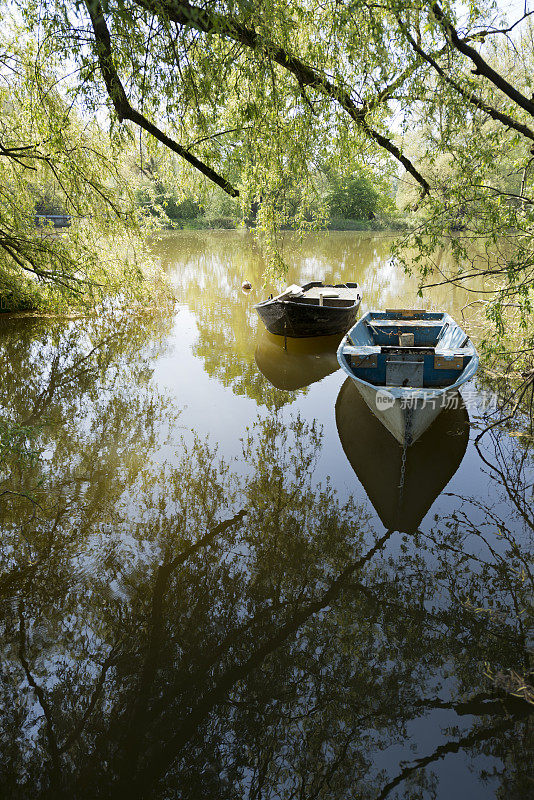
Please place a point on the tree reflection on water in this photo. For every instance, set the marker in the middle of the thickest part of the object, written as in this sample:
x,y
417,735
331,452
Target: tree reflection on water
x,y
198,629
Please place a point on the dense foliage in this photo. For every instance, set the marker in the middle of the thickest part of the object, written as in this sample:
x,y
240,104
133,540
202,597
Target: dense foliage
x,y
258,99
52,161
353,198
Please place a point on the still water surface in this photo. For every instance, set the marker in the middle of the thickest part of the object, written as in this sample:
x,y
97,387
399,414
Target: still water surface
x,y
211,585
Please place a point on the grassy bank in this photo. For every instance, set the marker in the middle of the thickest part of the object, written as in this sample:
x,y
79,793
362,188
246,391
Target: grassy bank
x,y
335,224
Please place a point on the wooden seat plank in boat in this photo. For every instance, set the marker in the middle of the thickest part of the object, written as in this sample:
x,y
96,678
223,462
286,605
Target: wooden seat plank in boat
x,y
292,291
407,323
340,292
362,349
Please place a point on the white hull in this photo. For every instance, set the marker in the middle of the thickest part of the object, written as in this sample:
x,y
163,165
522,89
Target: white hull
x,y
406,421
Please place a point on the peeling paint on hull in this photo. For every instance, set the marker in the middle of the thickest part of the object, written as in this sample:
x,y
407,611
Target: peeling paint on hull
x,y
299,320
405,424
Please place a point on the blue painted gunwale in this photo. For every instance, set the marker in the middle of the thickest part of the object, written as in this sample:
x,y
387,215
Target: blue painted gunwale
x,y
362,339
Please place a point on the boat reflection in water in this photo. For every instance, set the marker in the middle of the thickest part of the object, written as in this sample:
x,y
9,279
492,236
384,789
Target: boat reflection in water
x,y
305,361
376,458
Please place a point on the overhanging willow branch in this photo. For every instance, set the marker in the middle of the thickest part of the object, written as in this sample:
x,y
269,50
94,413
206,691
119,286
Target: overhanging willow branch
x,y
123,107
471,97
481,65
183,13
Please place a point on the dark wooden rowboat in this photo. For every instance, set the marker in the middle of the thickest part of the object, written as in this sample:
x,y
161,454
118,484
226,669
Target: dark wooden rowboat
x,y
315,309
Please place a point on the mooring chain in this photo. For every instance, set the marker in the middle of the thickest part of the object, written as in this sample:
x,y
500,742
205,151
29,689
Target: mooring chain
x,y
407,441
403,469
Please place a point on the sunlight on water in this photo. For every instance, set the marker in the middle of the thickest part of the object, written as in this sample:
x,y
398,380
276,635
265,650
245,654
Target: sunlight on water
x,y
211,585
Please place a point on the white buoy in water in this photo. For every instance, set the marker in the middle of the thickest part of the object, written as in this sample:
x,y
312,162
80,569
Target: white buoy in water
x,y
246,287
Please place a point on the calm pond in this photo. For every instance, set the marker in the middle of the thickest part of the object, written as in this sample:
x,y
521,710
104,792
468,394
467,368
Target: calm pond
x,y
211,585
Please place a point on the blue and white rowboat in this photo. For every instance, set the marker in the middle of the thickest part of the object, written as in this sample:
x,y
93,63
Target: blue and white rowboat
x,y
407,365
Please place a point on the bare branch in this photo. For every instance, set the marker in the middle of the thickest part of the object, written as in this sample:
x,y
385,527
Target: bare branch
x,y
469,740
41,697
78,729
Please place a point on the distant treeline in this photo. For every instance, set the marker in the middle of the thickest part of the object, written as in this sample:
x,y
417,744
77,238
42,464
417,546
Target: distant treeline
x,y
353,202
